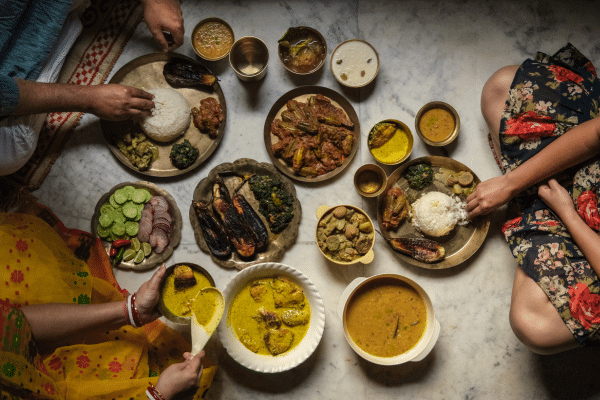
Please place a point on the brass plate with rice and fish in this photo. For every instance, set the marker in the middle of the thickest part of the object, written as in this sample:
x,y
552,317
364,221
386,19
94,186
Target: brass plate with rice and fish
x,y
301,94
462,242
146,72
174,237
231,174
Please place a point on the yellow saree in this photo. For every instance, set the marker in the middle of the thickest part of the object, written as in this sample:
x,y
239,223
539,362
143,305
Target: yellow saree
x,y
43,262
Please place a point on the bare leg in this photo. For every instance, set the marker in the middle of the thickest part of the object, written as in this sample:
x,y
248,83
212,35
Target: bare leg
x,y
534,318
493,98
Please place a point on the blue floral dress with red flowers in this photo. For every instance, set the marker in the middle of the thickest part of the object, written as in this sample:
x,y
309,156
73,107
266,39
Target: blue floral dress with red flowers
x,y
549,96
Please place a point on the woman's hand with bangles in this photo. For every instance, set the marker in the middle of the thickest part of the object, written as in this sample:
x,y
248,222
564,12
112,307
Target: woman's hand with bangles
x,y
182,376
147,296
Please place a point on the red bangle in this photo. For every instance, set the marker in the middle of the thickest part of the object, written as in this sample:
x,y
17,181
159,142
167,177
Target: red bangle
x,y
153,393
134,313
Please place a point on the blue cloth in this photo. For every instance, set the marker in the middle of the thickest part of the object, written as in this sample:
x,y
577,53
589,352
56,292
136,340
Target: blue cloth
x,y
9,95
28,32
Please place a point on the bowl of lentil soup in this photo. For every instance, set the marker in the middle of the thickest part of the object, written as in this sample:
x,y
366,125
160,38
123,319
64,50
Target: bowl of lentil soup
x,y
212,39
388,319
437,123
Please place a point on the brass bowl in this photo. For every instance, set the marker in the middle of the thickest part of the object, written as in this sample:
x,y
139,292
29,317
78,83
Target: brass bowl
x,y
370,180
352,57
282,52
161,305
444,106
197,27
366,258
402,126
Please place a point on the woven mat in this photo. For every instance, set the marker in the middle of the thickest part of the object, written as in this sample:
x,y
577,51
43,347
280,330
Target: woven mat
x,y
108,25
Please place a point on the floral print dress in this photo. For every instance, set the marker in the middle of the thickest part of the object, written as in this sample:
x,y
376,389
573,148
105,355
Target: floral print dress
x,y
549,96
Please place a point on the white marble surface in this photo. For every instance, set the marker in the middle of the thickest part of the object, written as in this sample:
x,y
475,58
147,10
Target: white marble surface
x,y
429,50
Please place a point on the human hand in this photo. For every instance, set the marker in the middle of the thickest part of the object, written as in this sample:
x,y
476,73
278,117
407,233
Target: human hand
x,y
182,376
119,102
164,15
488,196
556,197
147,296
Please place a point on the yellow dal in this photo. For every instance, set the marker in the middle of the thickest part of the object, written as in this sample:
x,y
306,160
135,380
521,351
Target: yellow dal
x,y
393,150
382,309
179,301
249,329
437,124
213,39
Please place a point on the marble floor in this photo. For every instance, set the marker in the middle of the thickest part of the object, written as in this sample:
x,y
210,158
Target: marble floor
x,y
429,50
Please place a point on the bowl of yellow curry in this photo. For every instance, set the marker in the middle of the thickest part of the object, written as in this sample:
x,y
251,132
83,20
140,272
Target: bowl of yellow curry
x,y
390,142
388,319
437,123
274,318
178,289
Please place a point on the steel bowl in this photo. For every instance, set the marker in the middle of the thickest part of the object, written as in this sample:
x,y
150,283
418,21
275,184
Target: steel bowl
x,y
249,57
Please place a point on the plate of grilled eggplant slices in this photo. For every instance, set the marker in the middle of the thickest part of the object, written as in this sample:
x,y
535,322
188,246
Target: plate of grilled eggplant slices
x,y
245,213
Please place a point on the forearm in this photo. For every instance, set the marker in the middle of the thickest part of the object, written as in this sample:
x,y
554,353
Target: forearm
x,y
585,237
575,146
35,97
54,322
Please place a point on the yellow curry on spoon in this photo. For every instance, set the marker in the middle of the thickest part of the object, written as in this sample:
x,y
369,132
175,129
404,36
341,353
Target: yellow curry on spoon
x,y
207,310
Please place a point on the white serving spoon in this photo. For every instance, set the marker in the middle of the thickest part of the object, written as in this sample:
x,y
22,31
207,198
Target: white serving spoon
x,y
207,297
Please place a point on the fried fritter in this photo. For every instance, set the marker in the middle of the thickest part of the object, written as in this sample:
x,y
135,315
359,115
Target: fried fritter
x,y
295,317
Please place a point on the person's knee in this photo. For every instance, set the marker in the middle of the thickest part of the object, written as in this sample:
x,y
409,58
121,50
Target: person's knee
x,y
542,332
497,86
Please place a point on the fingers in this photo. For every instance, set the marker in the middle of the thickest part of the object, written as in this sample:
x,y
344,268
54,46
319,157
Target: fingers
x,y
157,277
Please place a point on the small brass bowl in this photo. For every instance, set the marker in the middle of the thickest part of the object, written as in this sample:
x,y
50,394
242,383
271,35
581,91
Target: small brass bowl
x,y
199,51
401,158
439,105
300,35
249,57
370,180
161,304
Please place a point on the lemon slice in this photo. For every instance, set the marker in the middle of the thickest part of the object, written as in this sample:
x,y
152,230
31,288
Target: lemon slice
x,y
135,244
139,257
128,255
146,248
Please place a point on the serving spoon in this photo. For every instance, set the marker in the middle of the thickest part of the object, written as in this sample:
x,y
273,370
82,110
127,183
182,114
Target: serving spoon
x,y
202,330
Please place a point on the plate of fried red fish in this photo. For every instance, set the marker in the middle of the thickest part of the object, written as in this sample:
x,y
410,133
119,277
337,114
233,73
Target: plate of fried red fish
x,y
311,133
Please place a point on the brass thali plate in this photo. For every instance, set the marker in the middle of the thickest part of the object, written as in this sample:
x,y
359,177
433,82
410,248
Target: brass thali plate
x,y
146,72
153,259
230,173
462,242
301,94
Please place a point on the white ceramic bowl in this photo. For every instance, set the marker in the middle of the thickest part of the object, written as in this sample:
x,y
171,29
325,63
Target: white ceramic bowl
x,y
423,346
292,358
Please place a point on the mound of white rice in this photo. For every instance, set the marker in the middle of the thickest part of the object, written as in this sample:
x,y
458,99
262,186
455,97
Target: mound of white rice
x,y
170,117
436,213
